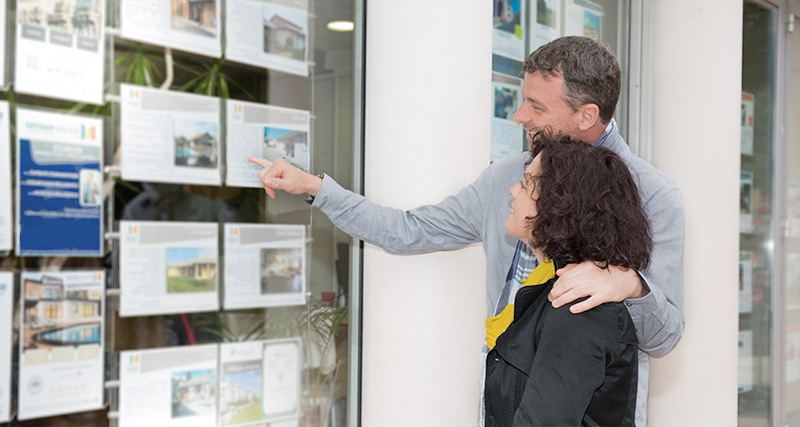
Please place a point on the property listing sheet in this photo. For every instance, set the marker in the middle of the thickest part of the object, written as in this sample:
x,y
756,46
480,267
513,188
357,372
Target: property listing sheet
x,y
508,137
260,381
263,131
508,39
60,49
173,386
268,33
168,267
6,325
3,7
746,365
264,265
171,137
545,23
59,184
6,220
189,25
745,282
583,18
61,343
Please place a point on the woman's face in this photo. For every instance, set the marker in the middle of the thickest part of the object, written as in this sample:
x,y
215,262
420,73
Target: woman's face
x,y
524,204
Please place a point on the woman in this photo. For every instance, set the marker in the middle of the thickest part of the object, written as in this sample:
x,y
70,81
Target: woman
x,y
548,366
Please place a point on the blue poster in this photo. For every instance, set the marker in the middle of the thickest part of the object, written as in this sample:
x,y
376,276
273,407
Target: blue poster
x,y
60,184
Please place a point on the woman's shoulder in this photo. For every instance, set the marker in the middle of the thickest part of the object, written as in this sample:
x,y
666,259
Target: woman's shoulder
x,y
609,321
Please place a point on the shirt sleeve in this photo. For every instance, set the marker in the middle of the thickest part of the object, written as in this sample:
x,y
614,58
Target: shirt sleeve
x,y
657,316
454,222
570,365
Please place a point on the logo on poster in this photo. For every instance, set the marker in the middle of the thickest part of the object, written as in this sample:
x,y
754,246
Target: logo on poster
x,y
88,132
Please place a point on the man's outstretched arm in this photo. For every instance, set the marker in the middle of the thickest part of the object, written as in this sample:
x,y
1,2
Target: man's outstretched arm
x,y
454,222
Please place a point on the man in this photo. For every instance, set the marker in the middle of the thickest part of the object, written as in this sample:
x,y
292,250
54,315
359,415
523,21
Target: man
x,y
571,85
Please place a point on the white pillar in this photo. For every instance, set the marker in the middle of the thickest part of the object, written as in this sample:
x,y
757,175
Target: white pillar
x,y
697,55
428,114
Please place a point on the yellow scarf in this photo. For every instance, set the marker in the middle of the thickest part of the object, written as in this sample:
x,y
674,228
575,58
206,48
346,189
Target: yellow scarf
x,y
495,326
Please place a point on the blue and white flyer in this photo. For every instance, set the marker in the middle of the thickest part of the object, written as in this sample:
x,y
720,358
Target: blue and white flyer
x,y
59,185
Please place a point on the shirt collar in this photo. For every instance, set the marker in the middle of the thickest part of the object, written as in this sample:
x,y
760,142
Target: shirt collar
x,y
611,125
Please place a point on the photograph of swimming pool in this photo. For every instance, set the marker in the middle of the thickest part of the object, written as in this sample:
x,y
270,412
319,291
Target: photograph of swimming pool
x,y
56,315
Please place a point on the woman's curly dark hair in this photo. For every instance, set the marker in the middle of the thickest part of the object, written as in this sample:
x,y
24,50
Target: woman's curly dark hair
x,y
588,205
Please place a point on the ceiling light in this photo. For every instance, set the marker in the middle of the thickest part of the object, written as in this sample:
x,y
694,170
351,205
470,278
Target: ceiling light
x,y
341,26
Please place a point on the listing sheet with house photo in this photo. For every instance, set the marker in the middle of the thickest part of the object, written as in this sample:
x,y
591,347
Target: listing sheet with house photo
x,y
508,137
60,49
174,386
6,220
6,326
3,8
167,267
171,137
61,343
260,381
189,25
59,184
545,23
583,18
264,265
268,33
263,131
508,38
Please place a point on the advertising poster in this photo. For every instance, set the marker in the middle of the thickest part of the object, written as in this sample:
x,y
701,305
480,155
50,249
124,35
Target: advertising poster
x,y
171,137
60,184
6,326
793,208
173,386
792,354
60,49
508,137
745,282
188,25
168,267
61,343
259,381
267,132
583,18
745,361
264,265
6,220
268,33
3,7
508,38
545,23
748,107
793,280
746,202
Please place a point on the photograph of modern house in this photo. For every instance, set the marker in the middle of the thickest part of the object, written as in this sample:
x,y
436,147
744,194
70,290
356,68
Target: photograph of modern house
x,y
194,392
195,17
81,17
191,270
240,397
281,270
195,144
285,33
56,317
546,13
284,143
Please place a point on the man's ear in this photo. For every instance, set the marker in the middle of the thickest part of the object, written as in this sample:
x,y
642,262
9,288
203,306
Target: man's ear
x,y
589,115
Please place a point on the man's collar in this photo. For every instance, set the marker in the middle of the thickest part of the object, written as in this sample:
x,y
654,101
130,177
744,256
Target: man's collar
x,y
609,127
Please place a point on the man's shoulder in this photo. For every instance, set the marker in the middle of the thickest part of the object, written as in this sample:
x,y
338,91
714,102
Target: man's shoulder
x,y
653,183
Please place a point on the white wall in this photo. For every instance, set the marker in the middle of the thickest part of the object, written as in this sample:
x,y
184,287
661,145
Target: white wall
x,y
428,97
697,54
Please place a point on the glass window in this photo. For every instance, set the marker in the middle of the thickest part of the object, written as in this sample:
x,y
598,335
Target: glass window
x,y
330,93
757,237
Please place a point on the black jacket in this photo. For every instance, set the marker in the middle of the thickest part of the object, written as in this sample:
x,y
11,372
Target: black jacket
x,y
555,368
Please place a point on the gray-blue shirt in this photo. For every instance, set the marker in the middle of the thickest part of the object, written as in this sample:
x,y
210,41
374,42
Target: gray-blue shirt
x,y
478,213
